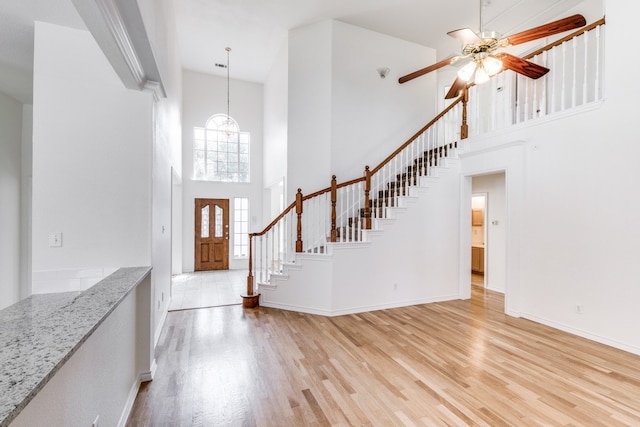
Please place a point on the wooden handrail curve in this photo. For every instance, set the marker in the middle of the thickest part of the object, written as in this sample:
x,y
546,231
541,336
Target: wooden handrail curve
x,y
558,42
274,222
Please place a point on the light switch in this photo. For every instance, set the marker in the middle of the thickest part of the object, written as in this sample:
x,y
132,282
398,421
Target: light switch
x,y
55,240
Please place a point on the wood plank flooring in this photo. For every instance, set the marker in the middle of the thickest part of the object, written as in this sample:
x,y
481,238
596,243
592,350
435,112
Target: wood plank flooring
x,y
458,363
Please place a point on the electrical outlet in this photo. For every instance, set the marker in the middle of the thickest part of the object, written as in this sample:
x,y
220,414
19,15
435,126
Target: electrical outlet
x,y
95,422
395,286
579,308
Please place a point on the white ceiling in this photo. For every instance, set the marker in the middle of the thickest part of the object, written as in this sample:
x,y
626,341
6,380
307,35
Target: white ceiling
x,y
16,40
257,29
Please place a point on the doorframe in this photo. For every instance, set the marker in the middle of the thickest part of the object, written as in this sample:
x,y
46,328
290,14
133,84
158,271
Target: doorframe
x,y
508,158
226,230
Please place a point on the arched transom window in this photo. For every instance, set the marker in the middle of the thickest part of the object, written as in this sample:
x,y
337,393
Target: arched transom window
x,y
221,151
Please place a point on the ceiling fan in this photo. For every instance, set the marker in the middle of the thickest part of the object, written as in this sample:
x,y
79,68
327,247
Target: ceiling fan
x,y
483,62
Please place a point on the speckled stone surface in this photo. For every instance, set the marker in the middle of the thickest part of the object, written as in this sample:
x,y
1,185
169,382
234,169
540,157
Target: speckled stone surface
x,y
39,334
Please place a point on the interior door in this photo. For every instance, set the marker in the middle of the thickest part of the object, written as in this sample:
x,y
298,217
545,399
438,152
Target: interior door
x,y
211,234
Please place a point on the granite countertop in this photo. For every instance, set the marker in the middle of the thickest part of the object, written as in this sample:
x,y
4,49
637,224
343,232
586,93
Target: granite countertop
x,y
40,333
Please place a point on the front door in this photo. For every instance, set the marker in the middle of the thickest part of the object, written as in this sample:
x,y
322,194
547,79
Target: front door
x,y
212,234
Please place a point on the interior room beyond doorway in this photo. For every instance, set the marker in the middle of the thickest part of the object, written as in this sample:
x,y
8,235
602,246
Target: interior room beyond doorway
x,y
489,231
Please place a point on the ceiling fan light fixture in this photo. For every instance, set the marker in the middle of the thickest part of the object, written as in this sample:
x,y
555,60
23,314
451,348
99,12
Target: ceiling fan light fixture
x,y
466,73
492,65
481,76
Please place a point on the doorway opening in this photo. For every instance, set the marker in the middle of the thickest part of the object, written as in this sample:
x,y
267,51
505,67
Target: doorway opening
x,y
489,231
478,239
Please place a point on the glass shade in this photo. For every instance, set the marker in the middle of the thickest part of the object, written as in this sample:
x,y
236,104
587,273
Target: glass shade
x,y
492,65
481,76
466,72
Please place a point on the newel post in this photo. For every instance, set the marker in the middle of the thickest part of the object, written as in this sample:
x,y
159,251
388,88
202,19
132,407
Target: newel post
x,y
299,214
251,299
367,189
464,129
334,198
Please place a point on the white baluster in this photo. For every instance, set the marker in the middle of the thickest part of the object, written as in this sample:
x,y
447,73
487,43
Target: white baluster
x,y
597,95
585,43
262,262
526,104
342,225
543,98
277,239
574,89
563,95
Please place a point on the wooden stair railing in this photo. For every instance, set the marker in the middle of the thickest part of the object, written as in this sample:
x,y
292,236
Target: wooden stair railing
x,y
387,181
362,216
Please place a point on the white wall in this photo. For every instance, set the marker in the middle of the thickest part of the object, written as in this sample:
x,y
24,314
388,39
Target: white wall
x,y
495,248
10,201
203,96
411,259
575,237
92,160
276,92
370,116
160,28
342,115
309,109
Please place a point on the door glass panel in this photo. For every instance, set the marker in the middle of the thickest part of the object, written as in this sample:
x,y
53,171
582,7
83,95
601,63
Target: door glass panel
x,y
218,229
204,222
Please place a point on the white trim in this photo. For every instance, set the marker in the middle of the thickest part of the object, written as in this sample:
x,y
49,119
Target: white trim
x,y
116,26
143,377
150,374
155,88
128,406
359,309
578,332
488,136
158,331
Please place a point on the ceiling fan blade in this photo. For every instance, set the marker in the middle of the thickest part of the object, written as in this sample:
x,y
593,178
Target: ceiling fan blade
x,y
465,36
456,87
522,66
560,26
428,69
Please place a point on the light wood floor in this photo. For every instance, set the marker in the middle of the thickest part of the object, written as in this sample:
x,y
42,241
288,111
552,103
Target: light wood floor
x,y
207,289
456,363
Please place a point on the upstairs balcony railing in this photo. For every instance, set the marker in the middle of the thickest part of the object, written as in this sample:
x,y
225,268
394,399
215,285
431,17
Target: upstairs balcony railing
x,y
342,212
576,64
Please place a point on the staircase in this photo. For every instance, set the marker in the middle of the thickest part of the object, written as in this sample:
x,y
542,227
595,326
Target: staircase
x,y
332,252
361,271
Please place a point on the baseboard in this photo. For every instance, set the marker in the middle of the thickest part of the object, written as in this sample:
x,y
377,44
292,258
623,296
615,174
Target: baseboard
x,y
133,393
158,331
131,399
360,309
584,334
148,376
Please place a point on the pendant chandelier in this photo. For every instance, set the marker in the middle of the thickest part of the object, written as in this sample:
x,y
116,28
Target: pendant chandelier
x,y
229,125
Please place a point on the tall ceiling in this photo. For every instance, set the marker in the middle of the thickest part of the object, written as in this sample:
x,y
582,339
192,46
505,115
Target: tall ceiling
x,y
16,40
257,29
